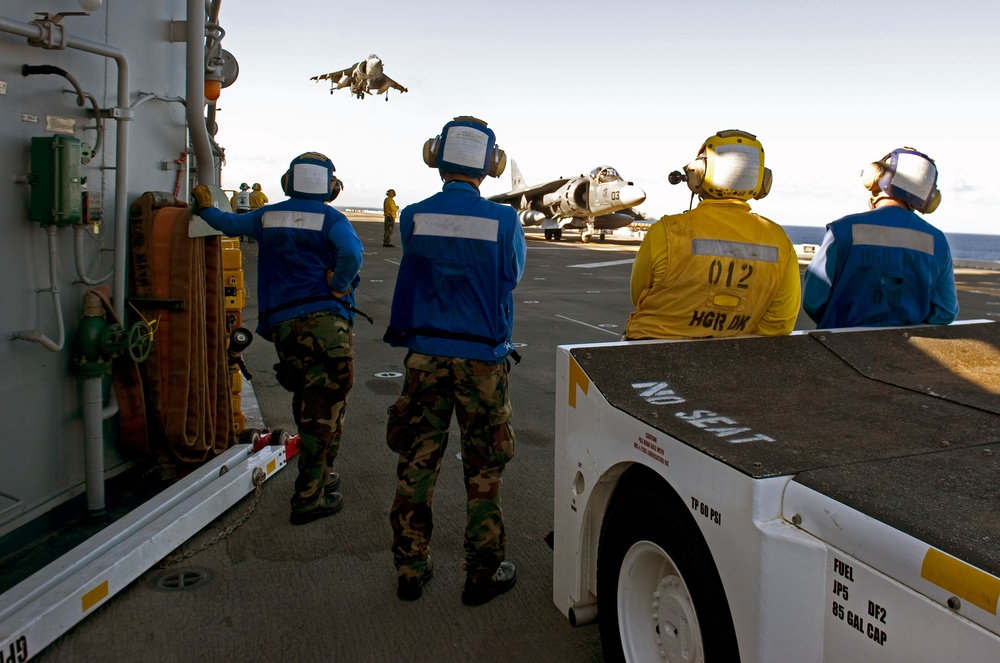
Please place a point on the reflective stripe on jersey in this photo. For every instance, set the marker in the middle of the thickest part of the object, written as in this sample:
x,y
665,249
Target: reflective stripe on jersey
x,y
294,220
724,249
453,225
893,238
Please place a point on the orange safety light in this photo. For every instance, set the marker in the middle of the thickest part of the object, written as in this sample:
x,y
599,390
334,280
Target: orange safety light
x,y
212,89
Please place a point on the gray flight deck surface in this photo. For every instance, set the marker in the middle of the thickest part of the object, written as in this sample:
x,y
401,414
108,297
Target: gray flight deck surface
x,y
326,591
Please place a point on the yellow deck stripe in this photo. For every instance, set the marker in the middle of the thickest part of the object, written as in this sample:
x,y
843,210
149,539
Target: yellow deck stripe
x,y
94,596
966,582
576,377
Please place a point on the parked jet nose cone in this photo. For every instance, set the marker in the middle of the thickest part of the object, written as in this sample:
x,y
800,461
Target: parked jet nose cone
x,y
632,195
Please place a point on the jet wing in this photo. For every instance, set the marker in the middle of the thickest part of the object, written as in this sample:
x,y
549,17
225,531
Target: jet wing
x,y
529,192
335,75
393,84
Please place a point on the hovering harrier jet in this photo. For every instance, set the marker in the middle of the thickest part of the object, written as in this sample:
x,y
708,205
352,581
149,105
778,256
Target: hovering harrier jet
x,y
363,78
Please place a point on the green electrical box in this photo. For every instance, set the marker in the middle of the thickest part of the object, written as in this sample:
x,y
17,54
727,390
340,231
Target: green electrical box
x,y
56,195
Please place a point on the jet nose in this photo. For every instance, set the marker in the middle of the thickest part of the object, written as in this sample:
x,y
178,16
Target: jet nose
x,y
632,195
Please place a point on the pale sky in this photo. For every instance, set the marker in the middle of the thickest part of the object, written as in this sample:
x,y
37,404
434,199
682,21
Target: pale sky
x,y
827,87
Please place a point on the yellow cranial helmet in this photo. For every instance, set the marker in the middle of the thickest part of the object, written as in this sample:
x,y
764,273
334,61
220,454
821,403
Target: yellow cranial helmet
x,y
730,164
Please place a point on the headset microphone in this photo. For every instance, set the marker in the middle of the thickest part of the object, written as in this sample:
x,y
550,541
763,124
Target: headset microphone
x,y
676,177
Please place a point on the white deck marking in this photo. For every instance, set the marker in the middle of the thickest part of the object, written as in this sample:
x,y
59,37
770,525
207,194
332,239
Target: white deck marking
x,y
610,263
586,325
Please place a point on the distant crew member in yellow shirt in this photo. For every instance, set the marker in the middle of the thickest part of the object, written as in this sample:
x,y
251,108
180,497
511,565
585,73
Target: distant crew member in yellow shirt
x,y
719,269
391,210
257,197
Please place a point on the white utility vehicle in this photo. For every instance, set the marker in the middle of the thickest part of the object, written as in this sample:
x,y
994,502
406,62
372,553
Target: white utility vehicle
x,y
825,496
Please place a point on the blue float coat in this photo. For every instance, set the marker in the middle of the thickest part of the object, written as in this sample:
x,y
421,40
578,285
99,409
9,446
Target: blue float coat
x,y
881,268
299,242
462,258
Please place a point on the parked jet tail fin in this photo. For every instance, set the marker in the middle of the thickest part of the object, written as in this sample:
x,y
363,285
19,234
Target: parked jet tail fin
x,y
516,179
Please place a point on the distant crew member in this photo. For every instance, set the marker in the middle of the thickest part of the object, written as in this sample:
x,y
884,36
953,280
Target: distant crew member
x,y
257,197
391,211
307,271
887,266
719,269
241,199
453,310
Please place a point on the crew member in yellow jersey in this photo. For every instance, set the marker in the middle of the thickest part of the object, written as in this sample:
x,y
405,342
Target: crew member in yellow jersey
x,y
718,269
257,197
390,210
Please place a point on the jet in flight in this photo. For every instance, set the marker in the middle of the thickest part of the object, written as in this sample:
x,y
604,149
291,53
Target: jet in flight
x,y
591,203
365,77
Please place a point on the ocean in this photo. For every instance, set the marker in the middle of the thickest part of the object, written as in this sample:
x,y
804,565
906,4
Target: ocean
x,y
964,246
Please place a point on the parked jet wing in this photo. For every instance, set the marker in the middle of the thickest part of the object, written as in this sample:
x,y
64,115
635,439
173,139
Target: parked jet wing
x,y
514,197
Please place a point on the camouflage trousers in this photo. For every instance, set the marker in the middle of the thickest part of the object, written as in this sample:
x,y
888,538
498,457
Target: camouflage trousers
x,y
316,354
476,392
389,223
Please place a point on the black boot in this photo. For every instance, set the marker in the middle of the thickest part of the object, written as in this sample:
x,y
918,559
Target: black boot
x,y
329,505
481,591
410,588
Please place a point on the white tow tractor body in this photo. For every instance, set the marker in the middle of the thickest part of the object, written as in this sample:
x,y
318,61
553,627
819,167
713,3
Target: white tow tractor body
x,y
829,496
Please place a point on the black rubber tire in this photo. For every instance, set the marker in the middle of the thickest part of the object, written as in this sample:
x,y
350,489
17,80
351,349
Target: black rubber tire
x,y
249,436
279,437
642,513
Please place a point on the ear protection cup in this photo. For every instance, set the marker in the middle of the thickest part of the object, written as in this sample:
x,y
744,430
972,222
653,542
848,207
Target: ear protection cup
x,y
431,151
336,186
498,162
933,203
870,176
765,185
695,172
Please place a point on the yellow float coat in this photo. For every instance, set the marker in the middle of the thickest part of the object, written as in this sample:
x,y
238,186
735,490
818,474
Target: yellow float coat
x,y
717,270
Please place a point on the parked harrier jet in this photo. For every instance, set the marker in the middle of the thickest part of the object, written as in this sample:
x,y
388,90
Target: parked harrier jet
x,y
598,202
365,77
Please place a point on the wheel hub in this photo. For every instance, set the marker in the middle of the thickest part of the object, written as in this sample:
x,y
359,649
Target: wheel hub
x,y
656,614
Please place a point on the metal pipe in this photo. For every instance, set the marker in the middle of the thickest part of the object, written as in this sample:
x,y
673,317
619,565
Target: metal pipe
x,y
78,232
196,92
81,96
580,615
35,335
93,436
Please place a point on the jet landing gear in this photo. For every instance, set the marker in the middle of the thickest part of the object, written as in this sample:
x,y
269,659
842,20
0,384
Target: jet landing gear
x,y
588,234
555,235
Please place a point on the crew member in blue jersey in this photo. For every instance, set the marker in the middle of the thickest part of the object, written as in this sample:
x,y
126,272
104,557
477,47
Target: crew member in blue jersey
x,y
307,271
453,310
887,266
